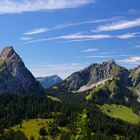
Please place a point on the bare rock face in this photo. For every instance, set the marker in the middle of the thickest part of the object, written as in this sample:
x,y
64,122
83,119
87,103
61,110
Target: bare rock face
x,y
96,73
14,76
135,74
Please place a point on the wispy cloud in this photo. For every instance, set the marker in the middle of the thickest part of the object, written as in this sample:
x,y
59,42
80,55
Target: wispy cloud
x,y
84,36
128,35
77,37
15,6
131,60
73,37
67,25
36,31
90,50
118,25
105,53
41,40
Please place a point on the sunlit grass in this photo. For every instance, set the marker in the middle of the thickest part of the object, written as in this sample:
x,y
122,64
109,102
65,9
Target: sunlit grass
x,y
31,128
121,112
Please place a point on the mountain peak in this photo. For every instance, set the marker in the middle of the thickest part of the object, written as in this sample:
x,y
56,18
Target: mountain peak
x,y
14,74
8,52
110,62
49,81
54,76
95,73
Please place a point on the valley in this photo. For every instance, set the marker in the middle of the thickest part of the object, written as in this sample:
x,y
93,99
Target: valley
x,y
105,104
69,69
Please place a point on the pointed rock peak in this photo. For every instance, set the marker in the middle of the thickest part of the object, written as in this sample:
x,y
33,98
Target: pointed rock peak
x,y
110,62
137,69
8,52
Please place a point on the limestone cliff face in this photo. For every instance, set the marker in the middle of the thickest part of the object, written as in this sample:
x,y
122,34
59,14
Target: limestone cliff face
x,y
14,76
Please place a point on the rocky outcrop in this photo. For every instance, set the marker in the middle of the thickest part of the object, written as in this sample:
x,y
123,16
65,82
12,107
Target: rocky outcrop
x,y
14,76
135,75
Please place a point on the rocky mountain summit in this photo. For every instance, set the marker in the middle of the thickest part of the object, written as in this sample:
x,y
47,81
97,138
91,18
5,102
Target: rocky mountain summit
x,y
14,76
96,73
49,81
105,83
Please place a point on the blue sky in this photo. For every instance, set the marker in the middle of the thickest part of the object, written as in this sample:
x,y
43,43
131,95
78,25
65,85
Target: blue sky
x,y
63,36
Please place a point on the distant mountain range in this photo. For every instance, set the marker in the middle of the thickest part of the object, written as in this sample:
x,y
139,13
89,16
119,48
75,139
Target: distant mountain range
x,y
107,81
49,81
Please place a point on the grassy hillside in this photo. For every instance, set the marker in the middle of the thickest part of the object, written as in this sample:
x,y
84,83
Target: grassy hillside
x,y
54,98
31,128
121,112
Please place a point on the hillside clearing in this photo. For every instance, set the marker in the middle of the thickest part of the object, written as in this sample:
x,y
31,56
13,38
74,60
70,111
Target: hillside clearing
x,y
31,128
121,112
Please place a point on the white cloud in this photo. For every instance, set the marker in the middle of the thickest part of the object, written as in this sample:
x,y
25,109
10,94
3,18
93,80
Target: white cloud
x,y
74,36
41,40
101,36
90,50
80,37
118,25
83,36
127,36
67,25
105,53
131,60
36,31
20,6
77,37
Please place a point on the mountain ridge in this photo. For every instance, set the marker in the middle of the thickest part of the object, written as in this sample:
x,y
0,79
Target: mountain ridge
x,y
95,73
104,83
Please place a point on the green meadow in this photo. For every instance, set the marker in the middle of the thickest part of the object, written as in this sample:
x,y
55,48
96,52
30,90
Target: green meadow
x,y
31,128
120,112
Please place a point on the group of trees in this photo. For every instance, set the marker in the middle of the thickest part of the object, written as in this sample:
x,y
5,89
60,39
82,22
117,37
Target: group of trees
x,y
84,122
13,135
15,108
